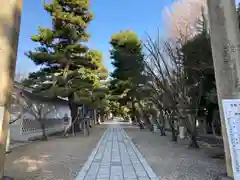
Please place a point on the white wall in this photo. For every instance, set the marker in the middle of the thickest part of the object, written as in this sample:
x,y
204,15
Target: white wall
x,y
28,127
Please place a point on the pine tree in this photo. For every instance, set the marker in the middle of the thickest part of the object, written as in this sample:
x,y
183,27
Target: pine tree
x,y
69,68
127,59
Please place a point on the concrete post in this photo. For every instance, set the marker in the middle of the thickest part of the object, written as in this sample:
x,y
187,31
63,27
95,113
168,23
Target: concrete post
x,y
226,54
84,128
10,17
95,117
7,148
88,128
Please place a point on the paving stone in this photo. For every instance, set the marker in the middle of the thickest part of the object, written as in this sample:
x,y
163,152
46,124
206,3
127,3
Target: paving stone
x,y
143,178
114,158
117,159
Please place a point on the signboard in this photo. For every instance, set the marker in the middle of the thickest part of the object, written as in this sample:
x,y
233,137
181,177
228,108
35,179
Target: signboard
x,y
231,109
1,114
1,124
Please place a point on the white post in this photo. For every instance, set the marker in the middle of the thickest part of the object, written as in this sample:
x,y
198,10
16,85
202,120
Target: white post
x,y
225,43
181,132
155,128
8,141
10,18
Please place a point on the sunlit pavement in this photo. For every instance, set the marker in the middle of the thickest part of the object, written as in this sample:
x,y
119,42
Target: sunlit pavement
x,y
117,121
116,158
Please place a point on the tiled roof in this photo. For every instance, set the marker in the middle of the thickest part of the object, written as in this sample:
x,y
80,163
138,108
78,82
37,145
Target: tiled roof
x,y
29,93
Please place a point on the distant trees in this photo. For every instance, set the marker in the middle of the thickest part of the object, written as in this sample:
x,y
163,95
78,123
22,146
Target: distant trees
x,y
182,75
127,77
177,100
181,81
166,81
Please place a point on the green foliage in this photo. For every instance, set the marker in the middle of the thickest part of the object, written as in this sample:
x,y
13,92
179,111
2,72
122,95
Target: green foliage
x,y
118,110
69,68
198,62
127,57
114,107
100,98
198,65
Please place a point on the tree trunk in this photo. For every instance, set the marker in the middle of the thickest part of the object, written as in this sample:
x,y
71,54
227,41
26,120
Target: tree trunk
x,y
171,123
192,132
102,116
162,131
43,128
133,114
73,108
136,116
147,120
162,126
98,118
193,142
141,126
133,119
174,134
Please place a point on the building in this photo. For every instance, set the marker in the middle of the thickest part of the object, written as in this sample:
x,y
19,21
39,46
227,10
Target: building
x,y
27,106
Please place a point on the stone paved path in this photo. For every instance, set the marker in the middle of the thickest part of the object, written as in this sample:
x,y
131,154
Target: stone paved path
x,y
116,158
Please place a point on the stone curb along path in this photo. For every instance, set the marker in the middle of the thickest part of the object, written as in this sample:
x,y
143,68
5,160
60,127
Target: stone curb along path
x,y
116,158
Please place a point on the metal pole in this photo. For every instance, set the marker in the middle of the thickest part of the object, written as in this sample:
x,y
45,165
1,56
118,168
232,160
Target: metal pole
x,y
225,43
10,18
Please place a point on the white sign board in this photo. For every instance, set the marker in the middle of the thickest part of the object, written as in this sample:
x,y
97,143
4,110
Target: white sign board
x,y
231,108
1,113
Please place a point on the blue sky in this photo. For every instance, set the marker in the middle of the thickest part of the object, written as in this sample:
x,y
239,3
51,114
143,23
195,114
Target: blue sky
x,y
111,16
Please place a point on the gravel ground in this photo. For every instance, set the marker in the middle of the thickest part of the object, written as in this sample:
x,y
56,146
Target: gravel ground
x,y
171,161
55,159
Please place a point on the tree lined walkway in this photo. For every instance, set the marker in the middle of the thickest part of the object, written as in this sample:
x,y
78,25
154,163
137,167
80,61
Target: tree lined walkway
x,y
116,158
